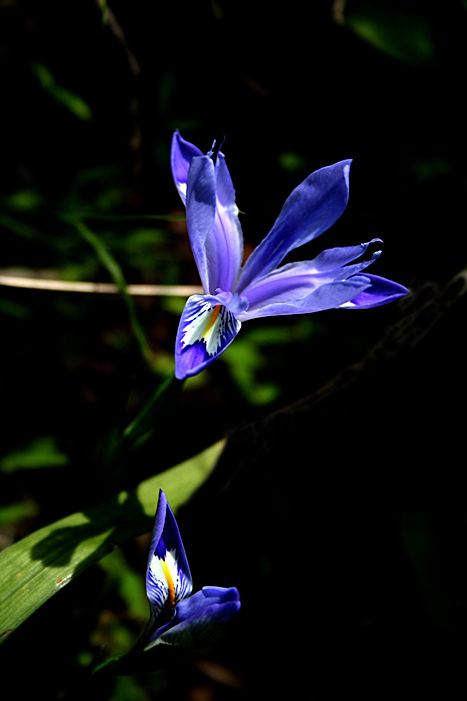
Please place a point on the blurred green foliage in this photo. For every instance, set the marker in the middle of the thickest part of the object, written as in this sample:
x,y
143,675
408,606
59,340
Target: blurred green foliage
x,y
399,33
41,452
72,102
11,514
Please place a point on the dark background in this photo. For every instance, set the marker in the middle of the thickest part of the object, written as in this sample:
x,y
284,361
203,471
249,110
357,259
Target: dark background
x,y
344,527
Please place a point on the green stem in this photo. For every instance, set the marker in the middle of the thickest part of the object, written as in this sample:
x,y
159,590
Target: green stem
x,y
142,427
115,271
166,394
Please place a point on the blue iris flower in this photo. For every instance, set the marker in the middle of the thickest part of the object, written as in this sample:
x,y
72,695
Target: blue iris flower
x,y
233,293
181,626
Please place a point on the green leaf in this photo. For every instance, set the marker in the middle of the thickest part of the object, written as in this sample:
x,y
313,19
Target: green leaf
x,y
23,201
399,34
41,564
244,359
130,585
16,512
290,161
42,452
68,99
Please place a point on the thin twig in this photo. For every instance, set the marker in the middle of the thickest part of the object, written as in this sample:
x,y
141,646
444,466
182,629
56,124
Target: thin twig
x,y
99,287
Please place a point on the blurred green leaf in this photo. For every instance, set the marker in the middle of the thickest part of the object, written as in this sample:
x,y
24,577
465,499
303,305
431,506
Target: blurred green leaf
x,y
431,167
291,161
126,688
18,227
94,190
418,538
130,584
244,360
16,512
143,238
68,99
174,305
41,564
42,452
23,200
133,217
303,329
19,311
145,249
103,5
396,33
247,357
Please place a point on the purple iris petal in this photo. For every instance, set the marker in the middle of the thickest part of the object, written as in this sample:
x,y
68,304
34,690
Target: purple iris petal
x,y
224,245
200,214
167,561
333,258
206,329
381,292
199,634
198,615
294,281
328,296
213,226
310,210
180,158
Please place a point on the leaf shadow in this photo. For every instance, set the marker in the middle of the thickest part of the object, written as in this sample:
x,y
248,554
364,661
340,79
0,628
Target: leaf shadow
x,y
120,521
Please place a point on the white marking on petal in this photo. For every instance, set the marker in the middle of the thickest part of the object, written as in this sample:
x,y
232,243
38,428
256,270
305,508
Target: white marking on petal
x,y
222,330
214,325
159,584
197,315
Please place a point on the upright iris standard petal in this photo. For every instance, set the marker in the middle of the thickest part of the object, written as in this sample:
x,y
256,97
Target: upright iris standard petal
x,y
234,294
200,213
168,576
180,158
181,626
224,245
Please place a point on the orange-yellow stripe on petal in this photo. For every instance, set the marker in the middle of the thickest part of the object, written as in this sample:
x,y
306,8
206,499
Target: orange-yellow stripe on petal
x,y
214,315
171,595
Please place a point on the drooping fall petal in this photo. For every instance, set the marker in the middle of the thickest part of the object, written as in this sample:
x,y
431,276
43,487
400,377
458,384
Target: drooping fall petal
x,y
206,329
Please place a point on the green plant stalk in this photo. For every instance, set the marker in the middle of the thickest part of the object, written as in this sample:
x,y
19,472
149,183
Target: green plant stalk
x,y
166,394
113,268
